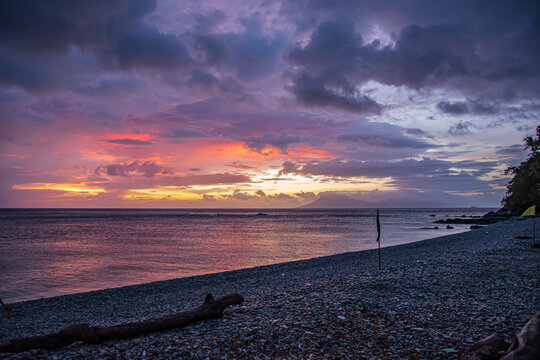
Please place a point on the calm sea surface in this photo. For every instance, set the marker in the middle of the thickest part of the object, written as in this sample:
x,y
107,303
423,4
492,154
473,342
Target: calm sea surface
x,y
46,253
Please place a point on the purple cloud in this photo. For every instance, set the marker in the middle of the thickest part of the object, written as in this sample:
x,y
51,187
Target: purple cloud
x,y
129,142
147,168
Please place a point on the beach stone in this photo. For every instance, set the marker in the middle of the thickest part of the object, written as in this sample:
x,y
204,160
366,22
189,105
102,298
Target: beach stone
x,y
439,297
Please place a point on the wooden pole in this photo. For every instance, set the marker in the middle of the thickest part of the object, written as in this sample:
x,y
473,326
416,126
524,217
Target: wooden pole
x,y
379,237
379,255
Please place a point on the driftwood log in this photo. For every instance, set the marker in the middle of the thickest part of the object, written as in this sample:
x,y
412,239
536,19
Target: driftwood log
x,y
487,348
210,309
526,344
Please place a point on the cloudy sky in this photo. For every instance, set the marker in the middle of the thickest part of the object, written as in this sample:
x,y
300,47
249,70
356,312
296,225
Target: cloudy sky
x,y
264,103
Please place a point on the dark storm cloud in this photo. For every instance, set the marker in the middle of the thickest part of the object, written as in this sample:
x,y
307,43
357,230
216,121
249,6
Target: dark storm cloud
x,y
418,132
332,46
456,108
460,128
53,26
387,142
129,142
336,60
147,169
17,70
460,182
249,124
488,53
205,109
513,153
33,33
209,82
331,91
249,55
326,61
203,79
252,122
467,107
423,175
215,49
205,23
369,140
379,168
511,150
111,86
420,56
146,47
494,16
182,134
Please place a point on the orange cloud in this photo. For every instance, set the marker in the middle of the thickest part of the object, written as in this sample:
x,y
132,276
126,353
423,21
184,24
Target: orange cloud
x,y
134,136
218,150
82,187
307,152
14,155
97,155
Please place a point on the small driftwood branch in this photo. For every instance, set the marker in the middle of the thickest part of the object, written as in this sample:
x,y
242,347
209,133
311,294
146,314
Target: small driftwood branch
x,y
7,309
210,309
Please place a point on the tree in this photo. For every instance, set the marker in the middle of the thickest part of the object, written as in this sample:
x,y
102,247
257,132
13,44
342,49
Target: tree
x,y
524,188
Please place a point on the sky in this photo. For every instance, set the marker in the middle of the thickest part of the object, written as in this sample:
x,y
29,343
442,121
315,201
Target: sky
x,y
264,104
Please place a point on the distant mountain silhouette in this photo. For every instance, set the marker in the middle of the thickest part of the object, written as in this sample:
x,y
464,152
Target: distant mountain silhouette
x,y
338,203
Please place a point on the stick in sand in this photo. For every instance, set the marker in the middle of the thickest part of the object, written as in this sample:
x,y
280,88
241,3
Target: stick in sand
x,y
379,237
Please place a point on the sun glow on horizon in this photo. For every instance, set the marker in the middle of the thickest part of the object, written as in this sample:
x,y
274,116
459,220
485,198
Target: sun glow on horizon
x,y
81,188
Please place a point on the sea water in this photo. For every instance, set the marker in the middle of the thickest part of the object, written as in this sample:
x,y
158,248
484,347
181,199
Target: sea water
x,y
49,252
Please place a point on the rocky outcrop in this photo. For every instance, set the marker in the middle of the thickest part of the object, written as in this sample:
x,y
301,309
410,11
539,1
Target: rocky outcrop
x,y
490,218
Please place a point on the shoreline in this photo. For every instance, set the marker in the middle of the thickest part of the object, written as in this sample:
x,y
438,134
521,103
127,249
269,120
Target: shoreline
x,y
295,238
427,274
228,272
374,248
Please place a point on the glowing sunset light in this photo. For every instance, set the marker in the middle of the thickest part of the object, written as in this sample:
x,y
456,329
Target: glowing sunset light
x,y
72,188
162,192
305,152
265,104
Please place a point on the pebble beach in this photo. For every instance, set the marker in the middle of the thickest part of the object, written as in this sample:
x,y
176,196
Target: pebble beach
x,y
432,299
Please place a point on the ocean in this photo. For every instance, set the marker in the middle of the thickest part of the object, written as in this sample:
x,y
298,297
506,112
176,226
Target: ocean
x,y
50,252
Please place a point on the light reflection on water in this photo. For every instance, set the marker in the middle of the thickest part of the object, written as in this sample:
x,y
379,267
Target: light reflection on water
x,y
53,252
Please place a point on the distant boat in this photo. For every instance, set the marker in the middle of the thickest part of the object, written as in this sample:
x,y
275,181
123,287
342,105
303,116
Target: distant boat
x,y
261,214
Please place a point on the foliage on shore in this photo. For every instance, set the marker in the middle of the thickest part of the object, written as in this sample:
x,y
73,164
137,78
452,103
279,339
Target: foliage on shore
x,y
524,188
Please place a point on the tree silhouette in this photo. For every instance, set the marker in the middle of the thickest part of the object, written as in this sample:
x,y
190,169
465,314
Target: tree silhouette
x,y
524,188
